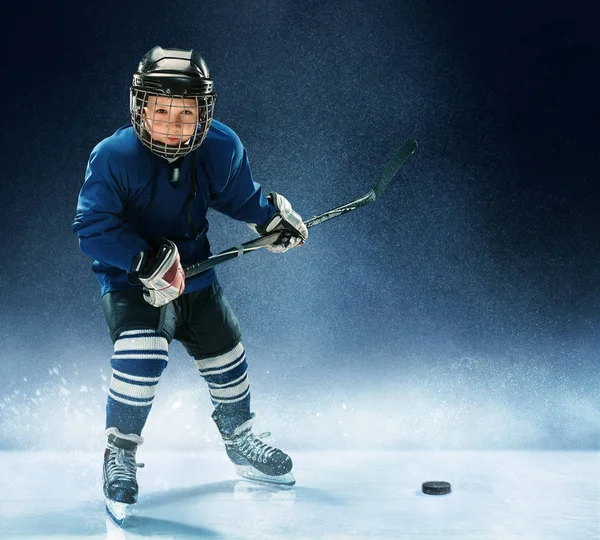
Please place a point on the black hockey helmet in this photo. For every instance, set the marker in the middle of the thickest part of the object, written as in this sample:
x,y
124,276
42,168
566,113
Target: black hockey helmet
x,y
177,75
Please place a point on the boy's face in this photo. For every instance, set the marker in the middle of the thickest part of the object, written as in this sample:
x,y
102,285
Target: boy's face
x,y
171,121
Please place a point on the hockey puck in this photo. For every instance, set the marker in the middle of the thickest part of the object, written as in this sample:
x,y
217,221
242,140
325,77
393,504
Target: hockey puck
x,y
436,488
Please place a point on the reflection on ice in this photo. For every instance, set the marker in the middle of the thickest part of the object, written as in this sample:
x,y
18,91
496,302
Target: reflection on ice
x,y
253,491
352,495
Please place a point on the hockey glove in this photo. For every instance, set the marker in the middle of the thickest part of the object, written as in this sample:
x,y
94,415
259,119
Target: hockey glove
x,y
293,230
160,272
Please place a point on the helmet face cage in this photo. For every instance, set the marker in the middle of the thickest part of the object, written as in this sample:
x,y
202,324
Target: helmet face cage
x,y
166,124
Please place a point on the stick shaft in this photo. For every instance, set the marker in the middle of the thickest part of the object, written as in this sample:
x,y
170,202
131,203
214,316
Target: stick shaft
x,y
384,180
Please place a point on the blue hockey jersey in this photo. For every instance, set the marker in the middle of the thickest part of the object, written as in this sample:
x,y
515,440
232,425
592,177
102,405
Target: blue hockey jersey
x,y
127,200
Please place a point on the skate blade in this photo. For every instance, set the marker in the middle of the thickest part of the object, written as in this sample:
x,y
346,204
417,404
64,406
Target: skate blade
x,y
117,511
250,473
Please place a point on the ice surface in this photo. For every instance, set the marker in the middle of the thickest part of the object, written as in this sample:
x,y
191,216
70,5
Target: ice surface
x,y
358,495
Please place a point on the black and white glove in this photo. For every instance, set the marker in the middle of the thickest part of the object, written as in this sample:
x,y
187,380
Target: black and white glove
x,y
293,230
161,273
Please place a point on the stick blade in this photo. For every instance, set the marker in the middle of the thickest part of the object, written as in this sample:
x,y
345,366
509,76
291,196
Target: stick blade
x,y
394,165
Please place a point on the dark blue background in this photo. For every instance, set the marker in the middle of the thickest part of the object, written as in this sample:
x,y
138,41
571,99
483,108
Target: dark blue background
x,y
461,310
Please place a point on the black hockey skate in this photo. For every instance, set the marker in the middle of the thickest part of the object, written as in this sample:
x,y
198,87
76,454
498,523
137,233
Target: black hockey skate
x,y
119,473
254,459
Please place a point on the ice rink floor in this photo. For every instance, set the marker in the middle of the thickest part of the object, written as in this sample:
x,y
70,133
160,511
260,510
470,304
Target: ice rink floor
x,y
370,495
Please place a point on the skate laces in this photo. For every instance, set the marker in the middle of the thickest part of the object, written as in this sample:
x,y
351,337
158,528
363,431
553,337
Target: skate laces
x,y
121,464
254,448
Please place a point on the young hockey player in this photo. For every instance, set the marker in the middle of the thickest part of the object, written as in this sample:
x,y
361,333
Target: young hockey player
x,y
141,214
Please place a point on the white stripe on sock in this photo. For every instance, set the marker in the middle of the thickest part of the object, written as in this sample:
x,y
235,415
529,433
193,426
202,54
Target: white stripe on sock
x,y
216,362
240,398
151,343
205,372
141,356
230,392
216,385
128,402
132,390
136,377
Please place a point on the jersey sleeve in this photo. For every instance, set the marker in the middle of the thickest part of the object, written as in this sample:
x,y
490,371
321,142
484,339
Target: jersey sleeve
x,y
103,235
237,195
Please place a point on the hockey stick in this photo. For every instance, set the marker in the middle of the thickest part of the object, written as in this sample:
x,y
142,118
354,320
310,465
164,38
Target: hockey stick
x,y
384,180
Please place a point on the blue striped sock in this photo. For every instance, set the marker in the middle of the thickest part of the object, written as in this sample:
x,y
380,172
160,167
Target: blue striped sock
x,y
227,379
139,358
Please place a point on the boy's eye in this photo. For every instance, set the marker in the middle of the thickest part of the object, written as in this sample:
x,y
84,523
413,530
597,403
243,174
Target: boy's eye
x,y
161,111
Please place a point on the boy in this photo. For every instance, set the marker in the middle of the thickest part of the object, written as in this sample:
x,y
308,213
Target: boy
x,y
141,214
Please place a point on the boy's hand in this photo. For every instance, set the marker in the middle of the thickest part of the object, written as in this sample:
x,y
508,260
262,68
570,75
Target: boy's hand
x,y
161,273
293,230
